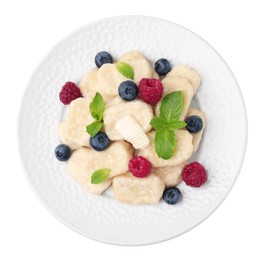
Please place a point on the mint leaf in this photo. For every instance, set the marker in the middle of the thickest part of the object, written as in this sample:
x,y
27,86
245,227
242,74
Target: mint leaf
x,y
171,106
158,123
125,69
94,128
97,107
175,124
100,175
165,143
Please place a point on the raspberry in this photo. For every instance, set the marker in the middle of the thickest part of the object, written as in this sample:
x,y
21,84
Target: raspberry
x,y
140,167
69,92
150,90
194,174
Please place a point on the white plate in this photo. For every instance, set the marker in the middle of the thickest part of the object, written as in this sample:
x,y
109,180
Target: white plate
x,y
100,217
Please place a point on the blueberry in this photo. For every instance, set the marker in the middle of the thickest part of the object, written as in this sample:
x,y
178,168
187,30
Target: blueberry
x,y
102,57
162,67
62,152
128,90
172,195
194,124
100,141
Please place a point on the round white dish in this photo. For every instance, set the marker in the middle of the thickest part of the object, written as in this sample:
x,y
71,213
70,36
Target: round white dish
x,y
101,217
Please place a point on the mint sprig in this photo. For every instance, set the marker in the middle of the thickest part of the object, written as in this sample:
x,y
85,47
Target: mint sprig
x,y
97,108
167,123
100,175
125,69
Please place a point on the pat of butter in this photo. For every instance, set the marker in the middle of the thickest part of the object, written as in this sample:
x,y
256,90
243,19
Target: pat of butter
x,y
132,132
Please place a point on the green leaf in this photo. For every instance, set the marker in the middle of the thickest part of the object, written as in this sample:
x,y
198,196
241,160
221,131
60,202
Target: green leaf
x,y
94,128
158,123
172,106
97,107
175,124
165,143
100,175
125,69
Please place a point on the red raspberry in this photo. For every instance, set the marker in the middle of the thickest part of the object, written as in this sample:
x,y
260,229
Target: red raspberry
x,y
140,167
150,90
194,174
69,92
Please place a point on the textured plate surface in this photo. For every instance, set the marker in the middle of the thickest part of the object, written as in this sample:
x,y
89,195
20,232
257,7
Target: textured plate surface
x,y
102,218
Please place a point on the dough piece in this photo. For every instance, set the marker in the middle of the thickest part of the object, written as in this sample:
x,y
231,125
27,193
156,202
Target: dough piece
x,y
139,110
141,66
171,175
155,75
132,190
109,78
183,151
188,73
113,102
79,167
132,55
171,84
197,136
108,81
88,84
142,69
85,161
72,130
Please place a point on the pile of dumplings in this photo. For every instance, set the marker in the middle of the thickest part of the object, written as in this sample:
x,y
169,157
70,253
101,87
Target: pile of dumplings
x,y
84,160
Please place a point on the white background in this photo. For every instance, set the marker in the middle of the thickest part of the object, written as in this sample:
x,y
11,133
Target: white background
x,y
236,29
